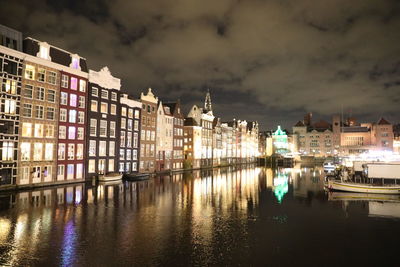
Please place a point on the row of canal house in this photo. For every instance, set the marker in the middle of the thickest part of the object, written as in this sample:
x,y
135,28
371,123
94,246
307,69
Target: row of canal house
x,y
61,122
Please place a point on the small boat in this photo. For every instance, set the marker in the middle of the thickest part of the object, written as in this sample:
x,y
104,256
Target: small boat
x,y
110,177
349,196
363,187
136,176
329,166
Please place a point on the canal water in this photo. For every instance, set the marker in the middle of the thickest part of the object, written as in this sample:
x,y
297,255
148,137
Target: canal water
x,y
231,216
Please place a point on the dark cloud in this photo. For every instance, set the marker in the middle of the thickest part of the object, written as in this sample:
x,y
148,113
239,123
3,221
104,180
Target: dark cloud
x,y
265,60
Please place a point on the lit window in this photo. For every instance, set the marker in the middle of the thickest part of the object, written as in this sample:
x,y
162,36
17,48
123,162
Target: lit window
x,y
102,148
93,105
136,125
51,96
71,151
130,113
37,151
62,132
92,166
129,139
135,139
81,103
122,138
25,151
111,150
104,107
81,117
82,85
137,114
121,154
113,110
48,154
49,131
79,170
38,132
29,72
123,111
130,124
9,106
8,151
75,62
41,75
72,116
52,77
92,148
27,111
73,100
63,114
123,123
9,87
61,151
39,112
103,128
79,151
26,129
80,134
93,127
114,96
63,98
74,83
71,133
110,165
64,81
60,172
112,128
70,171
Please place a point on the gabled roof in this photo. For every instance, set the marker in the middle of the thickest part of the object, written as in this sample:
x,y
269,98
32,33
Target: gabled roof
x,y
190,122
299,124
171,105
382,121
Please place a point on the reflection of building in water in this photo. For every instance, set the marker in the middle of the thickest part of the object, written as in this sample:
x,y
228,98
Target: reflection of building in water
x,y
307,181
281,185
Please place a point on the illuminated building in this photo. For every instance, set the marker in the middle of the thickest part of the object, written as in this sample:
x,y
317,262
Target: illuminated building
x,y
148,132
177,142
192,143
129,115
11,72
164,138
103,122
217,142
280,141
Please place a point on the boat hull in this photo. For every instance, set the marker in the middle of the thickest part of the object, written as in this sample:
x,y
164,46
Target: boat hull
x,y
136,177
106,178
362,188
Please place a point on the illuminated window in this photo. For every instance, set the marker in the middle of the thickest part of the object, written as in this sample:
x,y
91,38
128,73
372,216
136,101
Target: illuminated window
x,y
74,83
71,151
41,75
103,128
75,62
137,114
135,139
26,129
70,171
9,87
136,125
110,165
81,117
93,105
123,111
128,154
112,128
134,154
130,113
9,106
51,96
52,77
44,51
38,130
113,110
73,100
130,124
63,114
104,107
111,149
71,132
122,154
81,103
62,132
102,148
123,123
27,111
79,171
48,154
92,166
122,144
25,151
61,151
79,151
50,113
60,172
63,98
29,72
49,131
39,93
129,139
80,133
92,148
37,151
93,127
82,85
134,166
64,81
72,116
8,151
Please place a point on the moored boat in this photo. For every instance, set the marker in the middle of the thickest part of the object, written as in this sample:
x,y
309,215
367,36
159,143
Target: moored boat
x,y
351,196
110,177
363,188
136,176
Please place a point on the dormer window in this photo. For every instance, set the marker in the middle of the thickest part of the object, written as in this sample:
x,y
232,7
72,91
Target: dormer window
x,y
44,51
75,62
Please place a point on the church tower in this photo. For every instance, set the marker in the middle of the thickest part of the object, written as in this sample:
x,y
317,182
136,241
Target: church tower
x,y
207,103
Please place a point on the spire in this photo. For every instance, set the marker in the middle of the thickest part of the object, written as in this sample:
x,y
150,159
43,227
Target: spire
x,y
207,103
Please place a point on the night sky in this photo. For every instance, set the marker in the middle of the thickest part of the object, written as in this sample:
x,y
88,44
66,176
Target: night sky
x,y
270,61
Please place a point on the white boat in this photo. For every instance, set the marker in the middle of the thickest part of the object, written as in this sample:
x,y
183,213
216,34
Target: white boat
x,y
110,177
329,166
363,188
350,196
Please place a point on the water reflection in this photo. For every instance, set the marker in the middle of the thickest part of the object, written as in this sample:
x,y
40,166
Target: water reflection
x,y
204,217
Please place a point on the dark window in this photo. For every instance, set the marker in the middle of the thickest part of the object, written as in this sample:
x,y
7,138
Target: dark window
x,y
7,127
10,67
